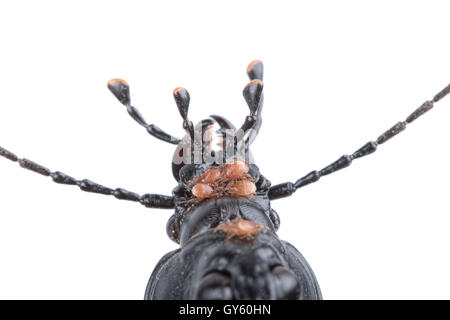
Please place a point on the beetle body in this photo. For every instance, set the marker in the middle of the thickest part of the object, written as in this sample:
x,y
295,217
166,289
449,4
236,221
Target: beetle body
x,y
223,220
227,235
213,265
230,250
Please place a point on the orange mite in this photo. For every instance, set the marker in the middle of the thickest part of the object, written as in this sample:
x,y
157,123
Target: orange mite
x,y
202,190
238,228
210,176
242,188
224,180
236,170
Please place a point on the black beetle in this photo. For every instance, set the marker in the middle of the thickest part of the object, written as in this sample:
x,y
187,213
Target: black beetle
x,y
223,220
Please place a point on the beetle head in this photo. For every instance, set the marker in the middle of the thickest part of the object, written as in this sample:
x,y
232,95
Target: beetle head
x,y
213,141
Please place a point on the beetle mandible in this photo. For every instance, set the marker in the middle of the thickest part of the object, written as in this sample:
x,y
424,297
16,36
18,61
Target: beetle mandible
x,y
223,218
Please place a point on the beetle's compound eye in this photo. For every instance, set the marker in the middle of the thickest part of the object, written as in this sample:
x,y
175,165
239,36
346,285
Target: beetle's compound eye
x,y
215,285
173,228
189,171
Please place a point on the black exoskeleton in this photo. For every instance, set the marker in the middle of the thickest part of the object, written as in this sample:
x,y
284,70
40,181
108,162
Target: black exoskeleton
x,y
223,218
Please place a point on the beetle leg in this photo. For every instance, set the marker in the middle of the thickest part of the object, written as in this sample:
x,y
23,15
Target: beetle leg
x,y
288,188
148,200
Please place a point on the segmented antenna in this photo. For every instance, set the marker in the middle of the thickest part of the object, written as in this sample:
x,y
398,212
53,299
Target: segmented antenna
x,y
121,90
253,95
182,99
255,70
148,200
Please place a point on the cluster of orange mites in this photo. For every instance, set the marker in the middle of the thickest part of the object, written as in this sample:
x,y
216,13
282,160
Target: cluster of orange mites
x,y
242,229
229,179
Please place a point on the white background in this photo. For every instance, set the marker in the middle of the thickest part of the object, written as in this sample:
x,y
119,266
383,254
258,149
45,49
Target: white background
x,y
338,74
